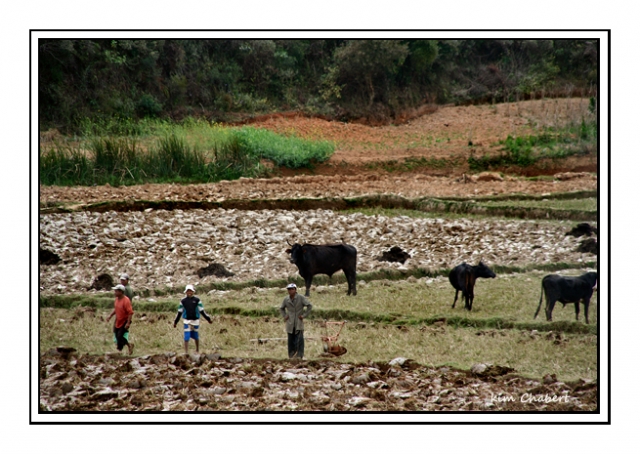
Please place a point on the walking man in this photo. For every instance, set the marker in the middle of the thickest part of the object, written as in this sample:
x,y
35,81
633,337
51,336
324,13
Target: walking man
x,y
124,313
190,309
294,309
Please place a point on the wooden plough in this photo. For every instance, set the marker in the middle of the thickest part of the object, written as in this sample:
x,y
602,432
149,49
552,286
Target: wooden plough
x,y
329,340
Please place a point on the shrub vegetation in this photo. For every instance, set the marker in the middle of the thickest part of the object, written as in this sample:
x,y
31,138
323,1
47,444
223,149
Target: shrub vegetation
x,y
190,151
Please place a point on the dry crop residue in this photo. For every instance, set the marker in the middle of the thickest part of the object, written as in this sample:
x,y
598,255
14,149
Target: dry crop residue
x,y
166,382
166,248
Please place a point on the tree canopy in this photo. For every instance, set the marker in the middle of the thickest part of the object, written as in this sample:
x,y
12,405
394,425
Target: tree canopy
x,y
102,78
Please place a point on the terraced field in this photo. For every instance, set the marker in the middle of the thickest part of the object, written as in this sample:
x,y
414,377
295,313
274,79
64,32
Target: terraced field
x,y
407,349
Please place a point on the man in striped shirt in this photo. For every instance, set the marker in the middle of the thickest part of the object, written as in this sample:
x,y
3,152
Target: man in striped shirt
x,y
190,309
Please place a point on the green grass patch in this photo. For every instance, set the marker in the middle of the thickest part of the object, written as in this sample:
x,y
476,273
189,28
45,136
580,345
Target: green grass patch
x,y
290,151
118,126
534,356
581,207
586,204
155,151
513,210
569,356
388,318
505,302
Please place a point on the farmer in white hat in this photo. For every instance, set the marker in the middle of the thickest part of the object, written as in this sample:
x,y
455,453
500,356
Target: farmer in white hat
x,y
124,280
190,309
124,313
294,309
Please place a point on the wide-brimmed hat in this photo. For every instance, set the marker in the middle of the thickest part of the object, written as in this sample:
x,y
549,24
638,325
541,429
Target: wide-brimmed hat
x,y
118,287
292,285
189,287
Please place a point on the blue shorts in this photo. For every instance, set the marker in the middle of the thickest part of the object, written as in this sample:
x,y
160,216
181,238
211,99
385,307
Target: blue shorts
x,y
190,332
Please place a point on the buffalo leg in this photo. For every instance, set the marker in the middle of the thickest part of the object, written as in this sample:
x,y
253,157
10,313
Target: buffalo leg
x,y
577,310
549,309
351,282
454,300
307,284
471,300
586,310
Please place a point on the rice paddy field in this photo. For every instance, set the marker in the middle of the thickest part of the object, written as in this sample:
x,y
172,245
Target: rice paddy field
x,y
402,312
407,349
385,320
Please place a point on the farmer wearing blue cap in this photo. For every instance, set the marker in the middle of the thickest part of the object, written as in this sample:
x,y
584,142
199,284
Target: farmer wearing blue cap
x,y
294,309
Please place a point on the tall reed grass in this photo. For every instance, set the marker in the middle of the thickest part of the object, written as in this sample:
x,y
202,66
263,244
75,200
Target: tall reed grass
x,y
192,151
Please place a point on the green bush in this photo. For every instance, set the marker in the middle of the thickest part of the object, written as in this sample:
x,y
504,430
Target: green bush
x,y
232,161
148,106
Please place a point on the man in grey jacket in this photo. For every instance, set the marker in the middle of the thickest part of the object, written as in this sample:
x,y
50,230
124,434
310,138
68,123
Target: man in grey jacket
x,y
294,309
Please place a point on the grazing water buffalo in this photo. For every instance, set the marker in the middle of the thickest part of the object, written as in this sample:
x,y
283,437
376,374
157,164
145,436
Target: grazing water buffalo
x,y
312,259
568,289
463,278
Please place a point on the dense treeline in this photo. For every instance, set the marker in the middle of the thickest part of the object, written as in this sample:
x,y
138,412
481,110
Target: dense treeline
x,y
100,79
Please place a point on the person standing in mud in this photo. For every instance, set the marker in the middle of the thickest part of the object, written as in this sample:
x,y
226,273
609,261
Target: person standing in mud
x,y
294,309
190,309
128,292
124,313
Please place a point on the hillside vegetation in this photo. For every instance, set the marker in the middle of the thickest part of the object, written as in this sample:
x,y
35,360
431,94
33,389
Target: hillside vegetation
x,y
379,80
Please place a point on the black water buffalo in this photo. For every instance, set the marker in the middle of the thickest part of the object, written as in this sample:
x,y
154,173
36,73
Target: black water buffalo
x,y
568,289
463,278
312,259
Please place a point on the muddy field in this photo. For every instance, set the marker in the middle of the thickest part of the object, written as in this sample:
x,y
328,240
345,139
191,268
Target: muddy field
x,y
166,382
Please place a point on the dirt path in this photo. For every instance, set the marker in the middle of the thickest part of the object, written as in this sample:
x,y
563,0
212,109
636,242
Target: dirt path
x,y
407,185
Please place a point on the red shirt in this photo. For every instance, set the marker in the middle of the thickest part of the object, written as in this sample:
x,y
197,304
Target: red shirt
x,y
123,310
